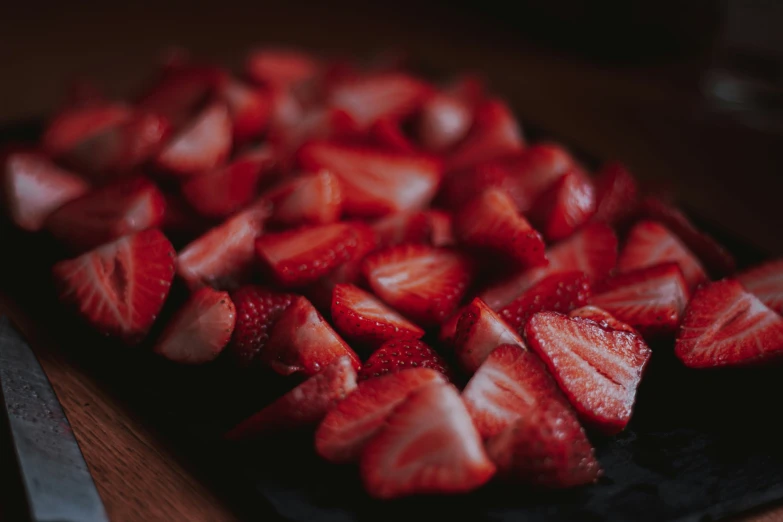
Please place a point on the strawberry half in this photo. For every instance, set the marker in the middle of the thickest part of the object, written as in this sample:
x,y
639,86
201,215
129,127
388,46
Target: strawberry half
x,y
479,331
280,68
200,329
348,427
361,317
491,222
422,282
565,206
765,282
724,325
120,287
617,194
428,445
602,318
106,213
304,406
599,370
33,187
650,299
249,108
401,354
403,227
302,341
257,311
444,120
308,199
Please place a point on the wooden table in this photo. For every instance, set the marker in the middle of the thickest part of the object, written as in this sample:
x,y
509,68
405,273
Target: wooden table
x,y
649,117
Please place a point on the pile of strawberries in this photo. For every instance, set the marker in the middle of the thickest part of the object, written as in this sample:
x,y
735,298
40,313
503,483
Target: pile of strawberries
x,y
450,303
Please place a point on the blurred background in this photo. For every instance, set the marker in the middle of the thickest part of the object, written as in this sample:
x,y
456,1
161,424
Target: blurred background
x,y
688,94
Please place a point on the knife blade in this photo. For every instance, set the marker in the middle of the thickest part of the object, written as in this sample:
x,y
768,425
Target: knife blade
x,y
56,480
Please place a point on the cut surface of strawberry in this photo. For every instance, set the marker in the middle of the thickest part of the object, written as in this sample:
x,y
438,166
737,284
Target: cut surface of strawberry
x,y
280,68
249,108
428,445
441,228
401,354
70,129
257,310
602,318
565,206
200,329
179,91
403,227
725,325
444,120
309,199
765,282
119,288
479,331
617,194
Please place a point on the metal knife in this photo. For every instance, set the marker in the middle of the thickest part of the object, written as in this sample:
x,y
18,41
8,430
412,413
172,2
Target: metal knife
x,y
57,484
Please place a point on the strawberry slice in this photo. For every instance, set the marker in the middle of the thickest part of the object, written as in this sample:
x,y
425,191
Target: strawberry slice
x,y
616,192
360,317
280,68
375,182
200,329
724,325
599,370
765,282
33,187
650,299
200,146
548,449
448,328
602,318
348,427
491,222
428,445
73,127
309,199
121,208
444,120
388,133
300,257
180,90
304,406
441,228
403,227
565,206
423,282
258,309
249,108
479,331
401,354
119,287
559,292
224,256
295,125
650,243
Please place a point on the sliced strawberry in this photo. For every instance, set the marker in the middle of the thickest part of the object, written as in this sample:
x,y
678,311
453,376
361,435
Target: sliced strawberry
x,y
304,406
565,206
650,243
74,127
200,330
559,292
295,125
510,384
280,68
181,220
119,287
250,110
428,445
652,299
224,257
257,311
403,227
309,199
33,187
200,146
349,426
300,257
724,325
301,341
388,134
375,182
491,222
765,282
599,370
617,194
479,332
361,317
603,318
423,282
124,207
448,328
401,354
549,448
180,90
441,228
444,120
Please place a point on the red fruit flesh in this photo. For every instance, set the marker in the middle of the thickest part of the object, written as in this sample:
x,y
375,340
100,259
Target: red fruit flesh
x,y
617,194
565,206
479,331
402,228
249,108
400,354
602,318
765,282
309,199
257,311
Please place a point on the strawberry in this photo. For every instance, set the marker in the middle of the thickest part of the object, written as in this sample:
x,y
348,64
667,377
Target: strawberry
x,y
295,126
510,384
650,243
549,449
616,194
257,311
280,68
424,283
180,91
33,187
602,318
427,445
202,145
725,325
599,370
491,222
119,287
448,328
360,317
249,109
302,256
650,299
400,354
200,329
301,341
74,127
559,292
121,208
388,134
180,220
479,332
375,182
565,206
444,120
309,199
765,282
304,406
403,227
441,228
347,428
224,256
